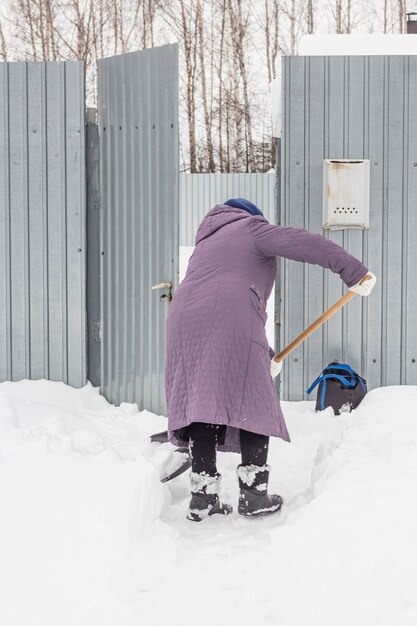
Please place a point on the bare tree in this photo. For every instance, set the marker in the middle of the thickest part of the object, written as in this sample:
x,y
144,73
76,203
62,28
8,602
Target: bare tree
x,y
182,19
98,28
310,17
293,11
35,26
238,31
202,59
222,10
271,30
377,19
348,22
402,10
293,21
338,16
228,54
269,22
149,11
3,46
344,17
77,42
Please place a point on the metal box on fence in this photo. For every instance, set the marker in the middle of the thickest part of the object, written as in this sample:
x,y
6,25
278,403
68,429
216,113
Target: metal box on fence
x,y
346,193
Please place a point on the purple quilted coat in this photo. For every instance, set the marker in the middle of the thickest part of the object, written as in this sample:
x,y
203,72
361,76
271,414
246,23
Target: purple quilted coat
x,y
217,354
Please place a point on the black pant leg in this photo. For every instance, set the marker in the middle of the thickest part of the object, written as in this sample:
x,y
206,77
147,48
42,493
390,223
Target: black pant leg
x,y
254,448
203,440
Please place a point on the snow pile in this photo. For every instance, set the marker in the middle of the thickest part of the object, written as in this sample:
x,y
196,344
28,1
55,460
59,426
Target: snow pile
x,y
356,43
79,501
89,536
349,556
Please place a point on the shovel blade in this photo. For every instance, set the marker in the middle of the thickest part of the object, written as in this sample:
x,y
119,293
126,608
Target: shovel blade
x,y
160,437
178,463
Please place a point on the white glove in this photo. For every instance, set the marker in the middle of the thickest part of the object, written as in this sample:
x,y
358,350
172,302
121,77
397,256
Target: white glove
x,y
275,368
364,287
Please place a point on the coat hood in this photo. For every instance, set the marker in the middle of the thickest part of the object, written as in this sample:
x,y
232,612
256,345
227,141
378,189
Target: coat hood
x,y
219,216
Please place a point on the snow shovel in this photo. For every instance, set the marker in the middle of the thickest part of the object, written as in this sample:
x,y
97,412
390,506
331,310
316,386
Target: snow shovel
x,y
177,464
160,437
180,465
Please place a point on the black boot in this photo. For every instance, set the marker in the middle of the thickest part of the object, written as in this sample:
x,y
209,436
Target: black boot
x,y
205,497
254,499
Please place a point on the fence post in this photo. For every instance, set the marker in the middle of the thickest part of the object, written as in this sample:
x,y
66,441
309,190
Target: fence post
x,y
278,281
93,249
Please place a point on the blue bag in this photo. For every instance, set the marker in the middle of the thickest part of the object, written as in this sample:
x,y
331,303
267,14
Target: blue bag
x,y
340,387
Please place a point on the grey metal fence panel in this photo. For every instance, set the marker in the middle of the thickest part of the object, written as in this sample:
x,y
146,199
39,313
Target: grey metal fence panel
x,y
201,192
42,222
139,170
352,107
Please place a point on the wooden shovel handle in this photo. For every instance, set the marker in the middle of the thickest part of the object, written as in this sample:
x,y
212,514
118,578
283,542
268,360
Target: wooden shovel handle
x,y
317,323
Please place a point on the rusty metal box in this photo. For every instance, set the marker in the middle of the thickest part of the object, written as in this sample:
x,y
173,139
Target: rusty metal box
x,y
346,193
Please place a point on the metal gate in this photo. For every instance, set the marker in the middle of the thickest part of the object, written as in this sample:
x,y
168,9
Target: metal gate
x,y
139,170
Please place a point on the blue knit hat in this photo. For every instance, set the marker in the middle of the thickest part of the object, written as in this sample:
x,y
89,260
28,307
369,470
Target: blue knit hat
x,y
246,205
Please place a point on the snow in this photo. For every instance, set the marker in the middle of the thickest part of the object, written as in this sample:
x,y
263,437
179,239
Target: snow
x,y
200,481
89,536
357,43
185,256
247,474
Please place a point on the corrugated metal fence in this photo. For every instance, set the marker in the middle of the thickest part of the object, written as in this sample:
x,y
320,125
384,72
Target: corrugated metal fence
x,y
353,107
42,222
334,107
201,192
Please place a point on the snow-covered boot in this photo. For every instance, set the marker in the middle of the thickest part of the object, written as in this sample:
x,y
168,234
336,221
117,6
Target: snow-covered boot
x,y
205,497
254,499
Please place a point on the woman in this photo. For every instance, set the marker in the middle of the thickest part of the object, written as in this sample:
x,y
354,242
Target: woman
x,y
219,388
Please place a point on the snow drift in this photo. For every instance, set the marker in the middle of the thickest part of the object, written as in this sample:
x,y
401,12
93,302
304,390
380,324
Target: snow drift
x,y
89,536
